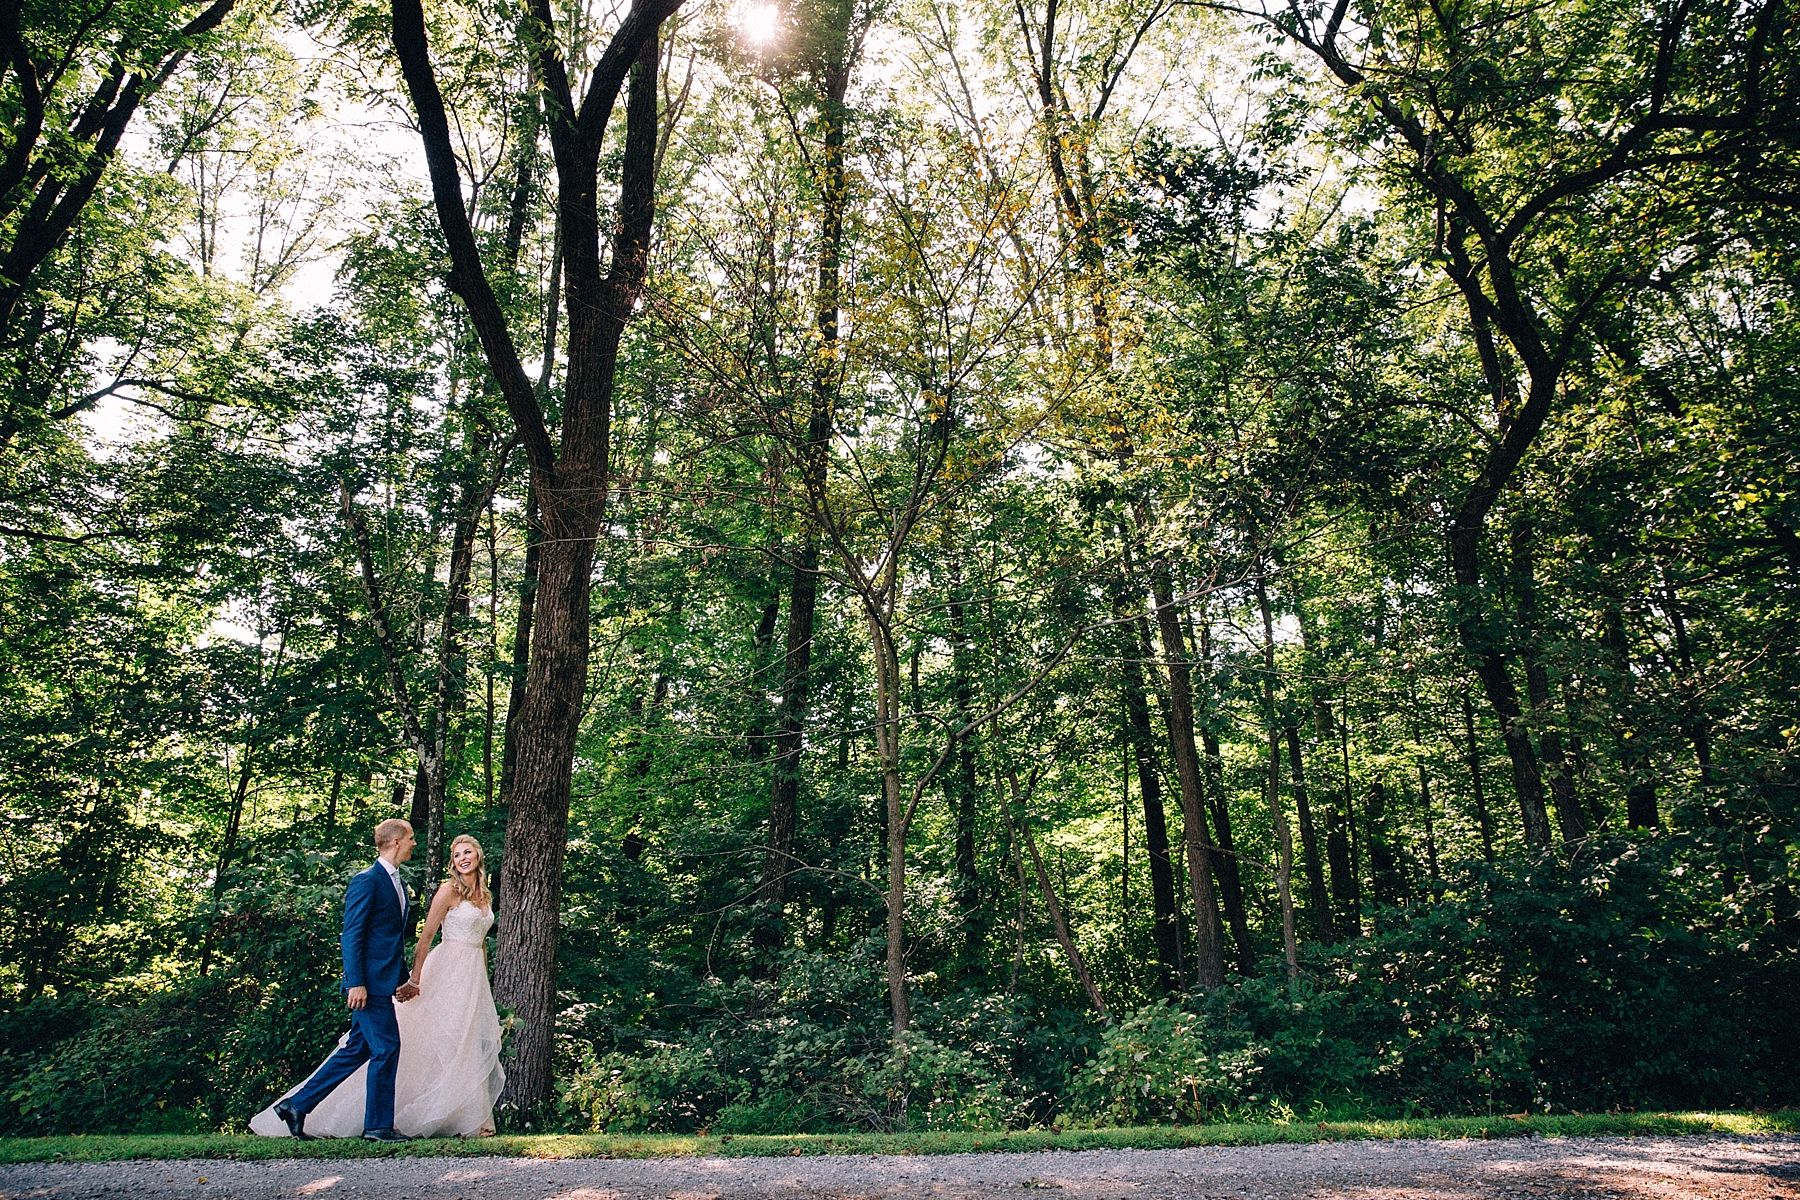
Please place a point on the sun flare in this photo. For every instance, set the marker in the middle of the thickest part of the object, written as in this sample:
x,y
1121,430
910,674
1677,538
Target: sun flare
x,y
758,22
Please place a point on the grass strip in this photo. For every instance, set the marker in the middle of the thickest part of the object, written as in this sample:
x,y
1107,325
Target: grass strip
x,y
108,1148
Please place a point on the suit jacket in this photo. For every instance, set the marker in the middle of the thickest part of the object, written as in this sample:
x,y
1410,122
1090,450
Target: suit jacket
x,y
374,941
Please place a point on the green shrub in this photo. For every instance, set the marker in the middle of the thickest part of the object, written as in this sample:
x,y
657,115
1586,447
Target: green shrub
x,y
1165,1064
149,1068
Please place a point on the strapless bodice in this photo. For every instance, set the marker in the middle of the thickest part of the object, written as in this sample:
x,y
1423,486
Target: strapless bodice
x,y
467,924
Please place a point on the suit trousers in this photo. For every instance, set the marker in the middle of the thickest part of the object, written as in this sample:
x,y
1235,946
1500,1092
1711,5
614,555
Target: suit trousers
x,y
374,1039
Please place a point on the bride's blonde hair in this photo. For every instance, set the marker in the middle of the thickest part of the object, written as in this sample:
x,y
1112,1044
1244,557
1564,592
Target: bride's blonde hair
x,y
476,893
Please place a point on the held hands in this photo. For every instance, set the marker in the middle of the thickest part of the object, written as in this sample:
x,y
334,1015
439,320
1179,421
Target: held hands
x,y
358,997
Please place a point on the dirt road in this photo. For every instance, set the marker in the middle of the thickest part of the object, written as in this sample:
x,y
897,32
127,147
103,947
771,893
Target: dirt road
x,y
1763,1168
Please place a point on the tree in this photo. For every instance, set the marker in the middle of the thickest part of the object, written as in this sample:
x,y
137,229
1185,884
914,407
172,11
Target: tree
x,y
1542,222
570,479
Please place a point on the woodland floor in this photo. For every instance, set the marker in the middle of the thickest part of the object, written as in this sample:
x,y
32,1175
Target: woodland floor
x,y
1764,1167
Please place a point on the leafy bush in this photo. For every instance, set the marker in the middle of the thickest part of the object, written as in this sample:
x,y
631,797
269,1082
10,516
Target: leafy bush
x,y
1523,988
809,1052
203,1052
1165,1064
150,1068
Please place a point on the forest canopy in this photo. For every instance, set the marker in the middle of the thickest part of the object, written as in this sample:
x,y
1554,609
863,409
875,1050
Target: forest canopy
x,y
1072,563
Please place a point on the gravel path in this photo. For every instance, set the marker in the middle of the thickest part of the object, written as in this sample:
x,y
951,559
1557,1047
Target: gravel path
x,y
1766,1168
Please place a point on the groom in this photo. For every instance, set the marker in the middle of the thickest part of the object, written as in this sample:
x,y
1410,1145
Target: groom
x,y
375,911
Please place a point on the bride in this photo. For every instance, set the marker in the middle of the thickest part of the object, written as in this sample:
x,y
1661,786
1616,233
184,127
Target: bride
x,y
449,1073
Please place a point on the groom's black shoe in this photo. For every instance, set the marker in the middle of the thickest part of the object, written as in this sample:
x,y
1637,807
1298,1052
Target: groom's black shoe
x,y
295,1121
384,1135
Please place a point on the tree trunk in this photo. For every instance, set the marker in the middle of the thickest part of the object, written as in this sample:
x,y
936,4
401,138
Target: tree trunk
x,y
965,791
1633,752
1165,926
1309,840
887,749
1284,842
1337,854
756,733
831,83
1693,721
1537,684
1231,885
521,647
1071,952
784,774
418,813
1208,954
538,812
1431,857
1348,886
570,480
1481,808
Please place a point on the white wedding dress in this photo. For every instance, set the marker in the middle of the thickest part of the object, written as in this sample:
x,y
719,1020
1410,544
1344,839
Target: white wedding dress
x,y
449,1074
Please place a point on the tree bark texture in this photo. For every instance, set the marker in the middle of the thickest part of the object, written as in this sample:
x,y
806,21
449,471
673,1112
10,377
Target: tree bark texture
x,y
887,750
521,647
1633,749
570,480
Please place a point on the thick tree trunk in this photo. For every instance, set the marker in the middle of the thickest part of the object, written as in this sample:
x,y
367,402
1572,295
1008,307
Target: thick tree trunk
x,y
570,481
521,647
1528,781
418,812
538,813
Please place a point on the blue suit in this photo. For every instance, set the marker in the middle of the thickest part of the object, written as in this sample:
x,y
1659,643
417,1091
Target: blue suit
x,y
374,958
